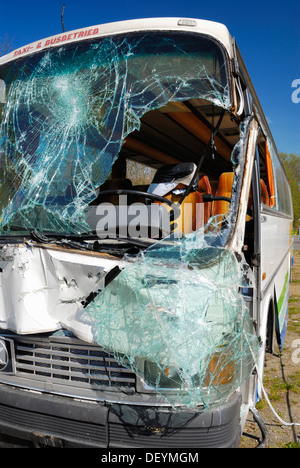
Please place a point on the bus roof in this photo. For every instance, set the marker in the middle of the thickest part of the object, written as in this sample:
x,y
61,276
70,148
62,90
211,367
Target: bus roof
x,y
217,31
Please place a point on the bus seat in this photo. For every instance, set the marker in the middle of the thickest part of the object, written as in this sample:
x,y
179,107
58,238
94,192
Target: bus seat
x,y
192,212
170,181
264,193
204,185
224,189
204,188
168,177
214,186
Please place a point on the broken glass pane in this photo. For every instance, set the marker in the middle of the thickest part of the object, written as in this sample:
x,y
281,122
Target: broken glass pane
x,y
66,111
176,316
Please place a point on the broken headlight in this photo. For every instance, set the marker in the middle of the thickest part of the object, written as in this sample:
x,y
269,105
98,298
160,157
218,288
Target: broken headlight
x,y
159,378
216,373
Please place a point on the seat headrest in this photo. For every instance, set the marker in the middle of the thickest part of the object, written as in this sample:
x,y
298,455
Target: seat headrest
x,y
168,177
174,172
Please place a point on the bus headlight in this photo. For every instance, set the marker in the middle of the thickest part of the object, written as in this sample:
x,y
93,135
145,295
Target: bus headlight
x,y
219,373
158,378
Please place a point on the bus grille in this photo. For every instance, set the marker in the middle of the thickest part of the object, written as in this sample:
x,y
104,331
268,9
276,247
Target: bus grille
x,y
68,366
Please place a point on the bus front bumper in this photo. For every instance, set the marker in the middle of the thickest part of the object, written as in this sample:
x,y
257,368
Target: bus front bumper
x,y
51,420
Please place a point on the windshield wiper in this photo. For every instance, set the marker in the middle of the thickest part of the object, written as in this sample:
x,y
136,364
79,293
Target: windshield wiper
x,y
131,240
53,239
67,242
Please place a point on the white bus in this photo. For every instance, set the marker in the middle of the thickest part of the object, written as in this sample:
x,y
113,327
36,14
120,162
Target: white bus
x,y
145,238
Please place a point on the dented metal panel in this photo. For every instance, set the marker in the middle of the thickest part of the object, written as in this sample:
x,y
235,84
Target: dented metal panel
x,y
43,290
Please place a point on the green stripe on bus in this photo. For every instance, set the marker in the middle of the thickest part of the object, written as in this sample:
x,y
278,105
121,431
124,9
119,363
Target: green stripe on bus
x,y
283,293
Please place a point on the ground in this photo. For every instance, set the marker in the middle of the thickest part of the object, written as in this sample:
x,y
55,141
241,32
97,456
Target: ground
x,y
282,382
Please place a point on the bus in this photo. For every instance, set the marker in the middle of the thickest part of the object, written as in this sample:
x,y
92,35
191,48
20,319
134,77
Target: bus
x,y
145,232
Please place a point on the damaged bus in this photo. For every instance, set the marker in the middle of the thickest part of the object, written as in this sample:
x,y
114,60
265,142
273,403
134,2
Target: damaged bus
x,y
145,238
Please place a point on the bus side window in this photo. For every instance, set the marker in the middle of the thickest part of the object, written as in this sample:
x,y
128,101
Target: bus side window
x,y
274,184
270,177
284,202
267,185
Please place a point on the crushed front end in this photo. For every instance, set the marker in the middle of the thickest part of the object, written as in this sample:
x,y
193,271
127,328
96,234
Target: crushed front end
x,y
109,339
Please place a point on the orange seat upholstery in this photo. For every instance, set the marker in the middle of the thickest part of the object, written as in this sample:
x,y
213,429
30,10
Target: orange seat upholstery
x,y
192,212
204,188
224,190
264,193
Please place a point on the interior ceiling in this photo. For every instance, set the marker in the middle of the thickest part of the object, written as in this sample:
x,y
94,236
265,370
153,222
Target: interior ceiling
x,y
179,132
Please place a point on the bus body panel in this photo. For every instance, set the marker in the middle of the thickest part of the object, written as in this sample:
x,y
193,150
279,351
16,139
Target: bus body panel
x,y
275,264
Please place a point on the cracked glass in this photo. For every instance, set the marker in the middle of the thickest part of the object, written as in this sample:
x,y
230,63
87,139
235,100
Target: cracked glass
x,y
177,317
66,111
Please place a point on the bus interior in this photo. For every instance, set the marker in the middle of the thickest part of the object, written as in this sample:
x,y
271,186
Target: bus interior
x,y
194,131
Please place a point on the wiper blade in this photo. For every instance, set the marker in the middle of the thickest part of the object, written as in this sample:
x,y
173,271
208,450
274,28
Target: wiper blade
x,y
64,241
134,241
39,237
52,239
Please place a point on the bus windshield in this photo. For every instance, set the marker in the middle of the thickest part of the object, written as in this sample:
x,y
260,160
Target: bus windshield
x,y
66,111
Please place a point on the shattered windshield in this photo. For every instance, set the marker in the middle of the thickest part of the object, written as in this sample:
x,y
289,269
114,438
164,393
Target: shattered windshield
x,y
65,112
186,330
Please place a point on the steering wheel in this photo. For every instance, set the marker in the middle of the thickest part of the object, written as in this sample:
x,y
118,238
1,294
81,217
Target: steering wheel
x,y
175,209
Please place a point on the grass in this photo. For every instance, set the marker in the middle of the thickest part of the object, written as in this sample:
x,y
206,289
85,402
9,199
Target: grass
x,y
291,445
294,326
295,378
277,388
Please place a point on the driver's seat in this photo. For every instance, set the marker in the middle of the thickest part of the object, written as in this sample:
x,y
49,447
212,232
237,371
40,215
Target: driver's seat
x,y
171,182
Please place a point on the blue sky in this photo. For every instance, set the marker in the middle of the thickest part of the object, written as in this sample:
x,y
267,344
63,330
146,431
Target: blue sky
x,y
267,34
